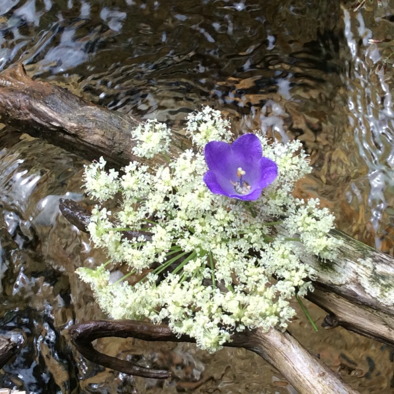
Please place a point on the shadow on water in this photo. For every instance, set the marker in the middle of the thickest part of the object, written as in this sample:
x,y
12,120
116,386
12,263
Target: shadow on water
x,y
294,69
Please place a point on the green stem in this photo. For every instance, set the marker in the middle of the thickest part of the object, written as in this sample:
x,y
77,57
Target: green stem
x,y
106,263
183,278
174,251
272,223
160,269
138,243
212,270
184,262
166,157
293,239
251,210
197,272
306,313
124,277
150,221
190,229
128,229
389,56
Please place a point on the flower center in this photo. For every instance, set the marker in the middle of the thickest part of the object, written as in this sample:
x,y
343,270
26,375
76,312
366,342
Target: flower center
x,y
241,186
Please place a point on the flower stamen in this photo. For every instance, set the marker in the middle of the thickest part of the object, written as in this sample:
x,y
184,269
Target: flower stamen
x,y
241,187
240,172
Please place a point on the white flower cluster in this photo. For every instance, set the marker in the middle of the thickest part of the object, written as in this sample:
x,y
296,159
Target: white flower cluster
x,y
152,137
100,184
204,263
207,125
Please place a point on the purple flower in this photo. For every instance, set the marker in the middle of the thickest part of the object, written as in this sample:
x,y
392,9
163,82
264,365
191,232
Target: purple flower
x,y
238,170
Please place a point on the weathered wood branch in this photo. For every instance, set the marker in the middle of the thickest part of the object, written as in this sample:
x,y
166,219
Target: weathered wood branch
x,y
50,112
363,320
357,289
305,372
8,348
360,274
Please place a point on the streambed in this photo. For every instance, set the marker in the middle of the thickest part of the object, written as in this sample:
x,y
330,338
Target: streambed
x,y
298,69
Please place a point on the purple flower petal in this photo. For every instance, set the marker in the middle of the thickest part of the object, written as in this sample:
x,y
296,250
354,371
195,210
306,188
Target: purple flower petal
x,y
269,172
213,185
218,155
224,160
247,148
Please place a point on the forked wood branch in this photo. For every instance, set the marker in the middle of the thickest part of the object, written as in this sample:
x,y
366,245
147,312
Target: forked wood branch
x,y
8,348
304,371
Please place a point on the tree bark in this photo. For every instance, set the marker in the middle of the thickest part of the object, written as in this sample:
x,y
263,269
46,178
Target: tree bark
x,y
50,112
361,319
8,349
359,283
357,289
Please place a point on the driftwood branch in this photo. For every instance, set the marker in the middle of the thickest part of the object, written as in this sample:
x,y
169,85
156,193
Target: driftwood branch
x,y
50,112
8,349
83,334
363,320
357,289
360,278
80,218
305,372
360,274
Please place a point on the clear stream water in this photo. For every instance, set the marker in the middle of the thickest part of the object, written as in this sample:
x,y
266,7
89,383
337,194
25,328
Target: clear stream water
x,y
295,69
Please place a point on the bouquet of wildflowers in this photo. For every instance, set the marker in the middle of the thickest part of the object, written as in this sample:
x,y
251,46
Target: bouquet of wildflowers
x,y
218,239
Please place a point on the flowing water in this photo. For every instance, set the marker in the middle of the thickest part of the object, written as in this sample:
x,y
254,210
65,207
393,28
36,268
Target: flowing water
x,y
295,69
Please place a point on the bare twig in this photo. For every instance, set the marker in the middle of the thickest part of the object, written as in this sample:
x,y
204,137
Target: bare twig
x,y
304,371
80,218
8,349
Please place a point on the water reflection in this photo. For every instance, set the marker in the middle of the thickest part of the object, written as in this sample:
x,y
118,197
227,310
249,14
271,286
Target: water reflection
x,y
131,57
371,118
294,69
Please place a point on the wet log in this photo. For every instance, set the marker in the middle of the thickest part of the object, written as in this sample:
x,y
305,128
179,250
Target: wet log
x,y
361,319
357,289
47,111
304,371
360,274
8,348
